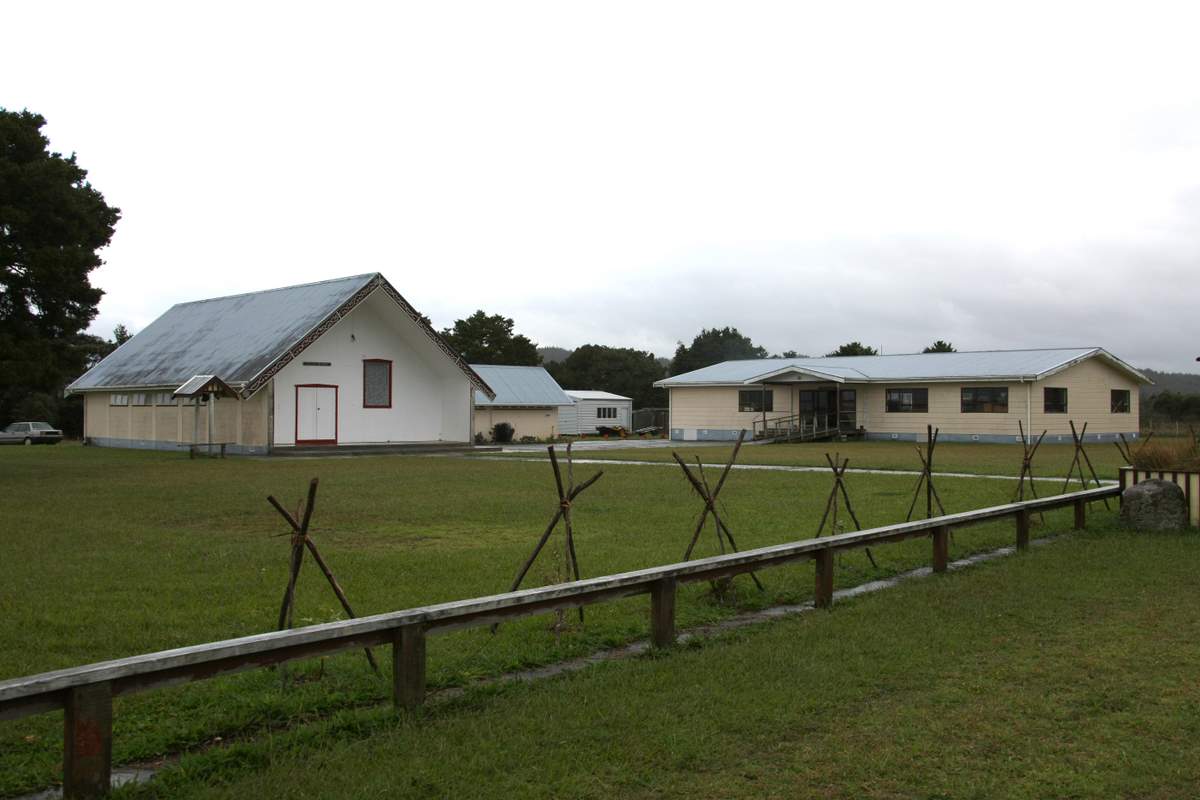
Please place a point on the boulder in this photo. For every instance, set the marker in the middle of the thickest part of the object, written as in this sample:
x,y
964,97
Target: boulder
x,y
1154,505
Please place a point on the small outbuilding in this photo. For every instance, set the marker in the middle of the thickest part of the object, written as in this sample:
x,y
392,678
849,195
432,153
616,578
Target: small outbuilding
x,y
340,362
527,398
591,410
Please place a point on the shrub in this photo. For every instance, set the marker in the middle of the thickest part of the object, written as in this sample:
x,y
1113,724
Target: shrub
x,y
1177,455
502,433
479,438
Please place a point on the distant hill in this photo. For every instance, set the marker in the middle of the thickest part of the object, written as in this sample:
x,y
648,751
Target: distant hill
x,y
1179,382
551,355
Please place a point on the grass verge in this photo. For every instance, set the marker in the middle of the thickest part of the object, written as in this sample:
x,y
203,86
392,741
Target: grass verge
x,y
113,553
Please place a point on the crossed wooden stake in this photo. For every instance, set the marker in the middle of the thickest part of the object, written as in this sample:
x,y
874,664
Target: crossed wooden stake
x,y
1027,466
300,542
839,486
1127,451
566,496
926,478
709,496
1081,458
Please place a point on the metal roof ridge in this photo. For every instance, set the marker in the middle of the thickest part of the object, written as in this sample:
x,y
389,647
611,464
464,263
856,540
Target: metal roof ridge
x,y
365,277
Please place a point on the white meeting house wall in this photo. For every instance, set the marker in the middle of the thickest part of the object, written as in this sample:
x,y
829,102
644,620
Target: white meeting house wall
x,y
431,397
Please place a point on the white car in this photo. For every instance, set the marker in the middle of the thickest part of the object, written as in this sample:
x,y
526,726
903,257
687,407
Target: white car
x,y
30,433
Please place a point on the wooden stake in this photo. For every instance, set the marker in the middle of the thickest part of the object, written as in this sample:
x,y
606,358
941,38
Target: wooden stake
x,y
1081,457
566,496
926,478
839,487
710,503
300,542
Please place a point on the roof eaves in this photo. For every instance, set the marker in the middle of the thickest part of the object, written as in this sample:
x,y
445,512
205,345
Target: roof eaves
x,y
374,281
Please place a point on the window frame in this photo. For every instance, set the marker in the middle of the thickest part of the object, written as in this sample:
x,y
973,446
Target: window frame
x,y
899,409
606,412
1046,400
983,406
1112,401
765,400
118,399
367,361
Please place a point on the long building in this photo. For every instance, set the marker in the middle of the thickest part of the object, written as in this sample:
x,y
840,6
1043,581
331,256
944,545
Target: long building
x,y
968,396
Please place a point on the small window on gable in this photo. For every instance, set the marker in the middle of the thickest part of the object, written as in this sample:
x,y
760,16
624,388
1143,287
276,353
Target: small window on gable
x,y
756,400
1054,400
377,383
1120,401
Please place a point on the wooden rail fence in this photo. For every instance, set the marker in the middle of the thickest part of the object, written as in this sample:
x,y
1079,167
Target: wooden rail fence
x,y
86,692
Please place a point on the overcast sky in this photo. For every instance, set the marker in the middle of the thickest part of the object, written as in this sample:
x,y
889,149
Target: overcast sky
x,y
1000,176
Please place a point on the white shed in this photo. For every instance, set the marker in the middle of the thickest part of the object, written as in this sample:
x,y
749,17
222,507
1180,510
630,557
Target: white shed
x,y
593,409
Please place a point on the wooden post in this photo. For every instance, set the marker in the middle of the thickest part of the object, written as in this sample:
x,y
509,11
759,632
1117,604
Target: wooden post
x,y
662,613
1023,529
87,742
823,594
408,667
1080,515
941,548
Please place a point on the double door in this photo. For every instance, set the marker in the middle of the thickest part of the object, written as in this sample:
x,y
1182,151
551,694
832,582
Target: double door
x,y
316,414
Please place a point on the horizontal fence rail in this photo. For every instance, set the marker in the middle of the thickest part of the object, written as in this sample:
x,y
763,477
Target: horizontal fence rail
x,y
86,692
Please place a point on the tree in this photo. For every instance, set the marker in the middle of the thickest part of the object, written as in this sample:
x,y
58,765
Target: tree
x,y
854,349
484,339
621,370
790,354
940,347
712,346
52,225
121,334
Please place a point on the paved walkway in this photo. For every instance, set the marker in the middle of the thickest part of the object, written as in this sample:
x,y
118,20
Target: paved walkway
x,y
777,468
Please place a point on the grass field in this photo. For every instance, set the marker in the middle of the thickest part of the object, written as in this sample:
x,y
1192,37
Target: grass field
x,y
109,553
1065,672
1052,458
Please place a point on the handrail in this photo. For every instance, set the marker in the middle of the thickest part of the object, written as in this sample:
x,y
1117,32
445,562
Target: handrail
x,y
76,688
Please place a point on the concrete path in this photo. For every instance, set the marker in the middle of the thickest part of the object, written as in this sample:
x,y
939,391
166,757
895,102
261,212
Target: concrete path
x,y
777,468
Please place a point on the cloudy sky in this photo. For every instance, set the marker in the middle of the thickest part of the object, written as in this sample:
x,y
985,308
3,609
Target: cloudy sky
x,y
999,175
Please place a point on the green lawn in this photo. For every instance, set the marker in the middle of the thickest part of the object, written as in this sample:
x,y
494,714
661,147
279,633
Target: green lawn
x,y
1065,672
1052,458
109,553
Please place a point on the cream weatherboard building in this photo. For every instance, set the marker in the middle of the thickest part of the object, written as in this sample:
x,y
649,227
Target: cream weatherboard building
x,y
340,362
527,398
969,396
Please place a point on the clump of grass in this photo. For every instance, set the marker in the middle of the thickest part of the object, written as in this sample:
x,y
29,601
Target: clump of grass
x,y
1162,455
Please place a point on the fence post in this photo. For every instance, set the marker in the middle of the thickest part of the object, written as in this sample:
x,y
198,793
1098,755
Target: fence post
x,y
823,595
408,667
662,613
1080,515
941,548
1023,529
87,742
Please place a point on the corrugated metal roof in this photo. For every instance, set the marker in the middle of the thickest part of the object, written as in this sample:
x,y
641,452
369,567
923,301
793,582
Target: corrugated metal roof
x,y
519,386
980,365
586,394
242,337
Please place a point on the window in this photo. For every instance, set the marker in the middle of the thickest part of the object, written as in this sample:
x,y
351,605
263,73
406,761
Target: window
x,y
118,399
756,400
377,383
164,399
606,412
1054,400
848,401
985,400
908,400
141,399
1120,401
